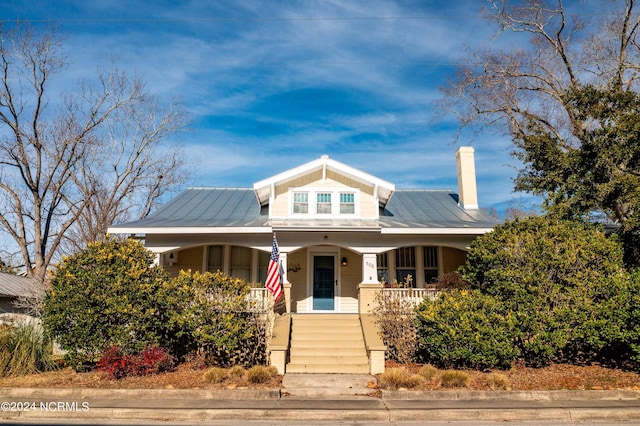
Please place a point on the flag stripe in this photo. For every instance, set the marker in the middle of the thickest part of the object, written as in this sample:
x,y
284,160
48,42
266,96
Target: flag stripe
x,y
273,272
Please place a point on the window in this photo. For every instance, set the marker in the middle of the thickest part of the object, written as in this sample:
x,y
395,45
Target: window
x,y
323,203
383,267
406,266
347,203
214,260
430,264
263,265
241,263
301,202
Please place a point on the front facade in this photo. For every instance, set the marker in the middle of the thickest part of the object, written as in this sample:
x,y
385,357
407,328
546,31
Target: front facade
x,y
337,228
342,233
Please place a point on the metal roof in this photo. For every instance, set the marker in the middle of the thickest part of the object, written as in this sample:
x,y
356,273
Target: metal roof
x,y
431,209
14,285
239,207
206,207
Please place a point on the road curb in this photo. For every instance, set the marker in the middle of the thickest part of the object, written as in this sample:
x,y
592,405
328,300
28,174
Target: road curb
x,y
557,395
199,405
84,393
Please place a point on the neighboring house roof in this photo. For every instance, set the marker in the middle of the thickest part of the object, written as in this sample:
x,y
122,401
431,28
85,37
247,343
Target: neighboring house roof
x,y
14,285
239,208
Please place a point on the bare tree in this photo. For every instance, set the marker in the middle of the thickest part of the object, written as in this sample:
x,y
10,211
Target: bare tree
x,y
529,89
527,83
57,158
133,168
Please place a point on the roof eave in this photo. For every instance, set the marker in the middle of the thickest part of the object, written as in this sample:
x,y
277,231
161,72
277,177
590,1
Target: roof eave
x,y
191,230
436,231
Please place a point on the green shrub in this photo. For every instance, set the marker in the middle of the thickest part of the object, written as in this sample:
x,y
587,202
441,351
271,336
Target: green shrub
x,y
396,378
455,379
261,374
629,345
110,294
215,375
218,320
24,349
465,329
563,282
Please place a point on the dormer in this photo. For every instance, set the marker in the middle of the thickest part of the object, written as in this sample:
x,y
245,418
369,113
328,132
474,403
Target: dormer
x,y
323,189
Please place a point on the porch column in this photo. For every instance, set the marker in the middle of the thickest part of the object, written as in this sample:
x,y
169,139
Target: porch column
x,y
286,285
370,286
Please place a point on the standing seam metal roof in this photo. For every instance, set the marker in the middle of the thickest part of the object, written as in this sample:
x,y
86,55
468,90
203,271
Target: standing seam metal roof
x,y
14,285
239,207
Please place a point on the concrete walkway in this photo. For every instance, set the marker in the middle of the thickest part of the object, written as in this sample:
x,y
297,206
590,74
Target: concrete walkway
x,y
303,398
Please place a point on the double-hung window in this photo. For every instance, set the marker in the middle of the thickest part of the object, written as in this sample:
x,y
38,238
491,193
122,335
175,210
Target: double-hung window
x,y
347,203
300,202
406,266
430,264
241,262
214,259
323,203
383,267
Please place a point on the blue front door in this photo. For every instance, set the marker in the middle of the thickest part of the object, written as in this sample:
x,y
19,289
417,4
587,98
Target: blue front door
x,y
324,282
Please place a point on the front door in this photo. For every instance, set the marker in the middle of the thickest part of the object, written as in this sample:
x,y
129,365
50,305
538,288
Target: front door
x,y
324,282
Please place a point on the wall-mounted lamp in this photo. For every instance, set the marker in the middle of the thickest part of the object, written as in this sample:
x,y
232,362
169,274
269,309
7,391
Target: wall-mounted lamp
x,y
172,259
294,267
344,261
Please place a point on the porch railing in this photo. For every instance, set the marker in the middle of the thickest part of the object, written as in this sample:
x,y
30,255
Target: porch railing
x,y
259,299
415,296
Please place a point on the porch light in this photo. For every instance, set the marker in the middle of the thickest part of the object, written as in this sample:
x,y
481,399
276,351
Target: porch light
x,y
294,268
344,261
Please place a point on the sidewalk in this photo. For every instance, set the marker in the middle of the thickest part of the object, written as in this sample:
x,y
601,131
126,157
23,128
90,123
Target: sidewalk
x,y
391,406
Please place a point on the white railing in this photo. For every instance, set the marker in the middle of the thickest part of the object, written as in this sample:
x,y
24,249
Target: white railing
x,y
415,296
259,299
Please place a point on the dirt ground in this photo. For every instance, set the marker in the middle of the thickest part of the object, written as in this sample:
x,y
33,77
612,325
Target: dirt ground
x,y
554,377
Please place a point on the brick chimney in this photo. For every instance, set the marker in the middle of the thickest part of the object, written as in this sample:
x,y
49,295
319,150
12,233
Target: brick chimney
x,y
467,192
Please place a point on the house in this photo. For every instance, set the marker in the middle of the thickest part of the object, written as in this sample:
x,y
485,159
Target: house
x,y
11,288
341,233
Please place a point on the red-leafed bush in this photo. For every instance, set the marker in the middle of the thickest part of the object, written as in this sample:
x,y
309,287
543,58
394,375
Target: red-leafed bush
x,y
116,364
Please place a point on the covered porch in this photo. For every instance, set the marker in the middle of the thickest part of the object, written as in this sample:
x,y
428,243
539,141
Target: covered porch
x,y
326,272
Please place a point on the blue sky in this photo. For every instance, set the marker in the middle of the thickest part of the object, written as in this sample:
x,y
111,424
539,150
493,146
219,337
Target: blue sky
x,y
274,84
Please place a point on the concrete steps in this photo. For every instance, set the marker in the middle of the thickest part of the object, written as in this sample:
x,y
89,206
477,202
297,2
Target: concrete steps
x,y
327,343
334,386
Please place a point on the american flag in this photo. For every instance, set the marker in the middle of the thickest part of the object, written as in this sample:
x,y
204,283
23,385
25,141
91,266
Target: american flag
x,y
273,272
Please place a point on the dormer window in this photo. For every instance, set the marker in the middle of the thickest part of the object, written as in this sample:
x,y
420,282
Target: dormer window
x,y
323,202
300,202
347,203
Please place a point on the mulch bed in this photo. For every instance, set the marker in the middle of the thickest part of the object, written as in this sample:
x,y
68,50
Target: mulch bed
x,y
554,377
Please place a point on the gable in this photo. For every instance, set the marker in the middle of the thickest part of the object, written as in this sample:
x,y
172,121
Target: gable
x,y
322,169
324,179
